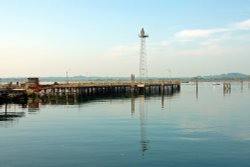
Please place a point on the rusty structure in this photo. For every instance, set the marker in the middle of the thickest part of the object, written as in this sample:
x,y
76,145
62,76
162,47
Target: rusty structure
x,y
33,83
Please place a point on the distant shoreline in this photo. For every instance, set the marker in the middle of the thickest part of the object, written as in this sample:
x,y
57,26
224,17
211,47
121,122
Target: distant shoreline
x,y
210,78
60,80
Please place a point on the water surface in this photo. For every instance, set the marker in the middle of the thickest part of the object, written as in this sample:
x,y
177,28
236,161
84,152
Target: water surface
x,y
204,127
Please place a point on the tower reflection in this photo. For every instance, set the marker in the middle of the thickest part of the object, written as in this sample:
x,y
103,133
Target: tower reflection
x,y
143,124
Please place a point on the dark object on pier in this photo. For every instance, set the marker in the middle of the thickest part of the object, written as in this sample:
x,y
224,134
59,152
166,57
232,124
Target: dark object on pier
x,y
13,95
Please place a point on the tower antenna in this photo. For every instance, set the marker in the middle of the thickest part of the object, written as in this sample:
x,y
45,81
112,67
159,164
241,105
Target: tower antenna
x,y
143,55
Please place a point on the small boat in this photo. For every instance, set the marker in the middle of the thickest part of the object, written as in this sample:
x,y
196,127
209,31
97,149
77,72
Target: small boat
x,y
215,84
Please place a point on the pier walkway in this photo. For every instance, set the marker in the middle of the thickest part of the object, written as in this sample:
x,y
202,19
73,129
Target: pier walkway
x,y
106,88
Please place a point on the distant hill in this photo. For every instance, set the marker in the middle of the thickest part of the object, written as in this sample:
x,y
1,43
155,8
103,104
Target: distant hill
x,y
228,76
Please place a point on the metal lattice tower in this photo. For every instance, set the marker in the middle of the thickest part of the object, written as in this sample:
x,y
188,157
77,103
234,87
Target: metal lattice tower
x,y
143,55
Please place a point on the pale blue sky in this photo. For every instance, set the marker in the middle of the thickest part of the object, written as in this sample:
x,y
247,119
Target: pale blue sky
x,y
100,37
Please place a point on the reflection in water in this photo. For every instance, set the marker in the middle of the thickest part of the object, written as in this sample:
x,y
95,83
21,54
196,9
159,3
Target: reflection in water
x,y
162,101
72,99
167,94
10,116
7,118
33,105
143,124
143,114
132,104
226,88
143,121
197,90
227,91
242,83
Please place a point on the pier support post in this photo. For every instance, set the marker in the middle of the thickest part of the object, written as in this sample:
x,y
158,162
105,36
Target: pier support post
x,y
162,88
241,85
6,108
226,87
197,84
197,89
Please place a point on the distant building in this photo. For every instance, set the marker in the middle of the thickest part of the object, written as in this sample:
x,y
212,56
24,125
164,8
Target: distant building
x,y
33,83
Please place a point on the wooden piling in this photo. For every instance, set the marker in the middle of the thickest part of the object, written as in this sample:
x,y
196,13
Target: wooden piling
x,y
6,108
100,89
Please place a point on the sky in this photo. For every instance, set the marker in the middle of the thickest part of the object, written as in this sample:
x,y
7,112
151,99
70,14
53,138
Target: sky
x,y
100,38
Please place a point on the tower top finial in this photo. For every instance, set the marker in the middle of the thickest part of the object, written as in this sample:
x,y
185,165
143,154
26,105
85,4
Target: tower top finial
x,y
143,34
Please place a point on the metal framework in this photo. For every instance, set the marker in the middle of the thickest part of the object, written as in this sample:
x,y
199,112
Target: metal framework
x,y
143,55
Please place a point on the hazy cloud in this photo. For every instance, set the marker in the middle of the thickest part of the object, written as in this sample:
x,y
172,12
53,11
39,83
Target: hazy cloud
x,y
195,33
244,25
198,33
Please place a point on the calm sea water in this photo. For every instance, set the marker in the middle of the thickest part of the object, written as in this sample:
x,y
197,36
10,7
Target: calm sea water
x,y
207,127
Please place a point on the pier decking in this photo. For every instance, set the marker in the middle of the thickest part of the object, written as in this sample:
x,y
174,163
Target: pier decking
x,y
107,88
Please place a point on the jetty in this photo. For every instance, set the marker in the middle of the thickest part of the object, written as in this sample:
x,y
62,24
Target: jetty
x,y
33,88
109,88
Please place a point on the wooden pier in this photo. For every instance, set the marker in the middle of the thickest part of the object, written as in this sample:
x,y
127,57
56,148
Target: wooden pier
x,y
86,89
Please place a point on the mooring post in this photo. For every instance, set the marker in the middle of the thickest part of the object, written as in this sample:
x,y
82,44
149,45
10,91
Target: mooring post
x,y
197,84
226,87
241,85
6,108
132,89
162,89
197,90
